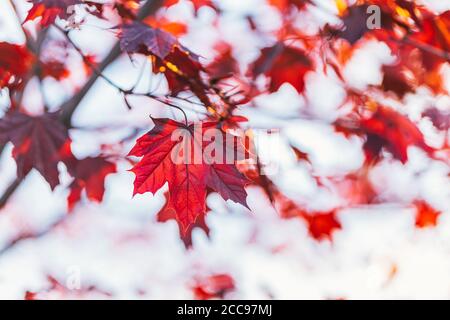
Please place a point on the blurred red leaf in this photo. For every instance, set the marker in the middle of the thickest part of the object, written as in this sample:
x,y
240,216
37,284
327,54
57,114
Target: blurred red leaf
x,y
140,38
213,287
180,66
90,174
282,64
439,118
15,63
389,129
169,154
426,215
321,225
55,69
40,142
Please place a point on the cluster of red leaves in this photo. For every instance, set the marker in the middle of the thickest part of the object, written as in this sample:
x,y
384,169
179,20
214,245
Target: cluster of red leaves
x,y
11,72
180,66
418,38
17,63
282,64
41,142
49,10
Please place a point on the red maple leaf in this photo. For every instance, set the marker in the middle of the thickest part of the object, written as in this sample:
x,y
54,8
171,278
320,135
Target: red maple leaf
x,y
389,129
15,63
170,154
224,65
49,10
137,37
213,287
90,174
435,31
55,69
426,215
283,5
180,66
321,225
40,142
282,64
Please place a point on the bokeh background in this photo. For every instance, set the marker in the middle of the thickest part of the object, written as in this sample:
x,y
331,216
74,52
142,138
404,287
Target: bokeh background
x,y
121,251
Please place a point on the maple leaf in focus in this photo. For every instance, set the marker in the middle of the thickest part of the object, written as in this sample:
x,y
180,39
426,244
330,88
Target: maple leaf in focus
x,y
127,9
282,64
182,70
213,287
395,80
167,213
434,31
389,129
90,174
412,69
426,215
15,63
49,10
169,154
40,142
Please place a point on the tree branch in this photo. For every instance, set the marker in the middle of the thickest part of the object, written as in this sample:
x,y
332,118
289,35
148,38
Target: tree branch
x,y
69,107
33,235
